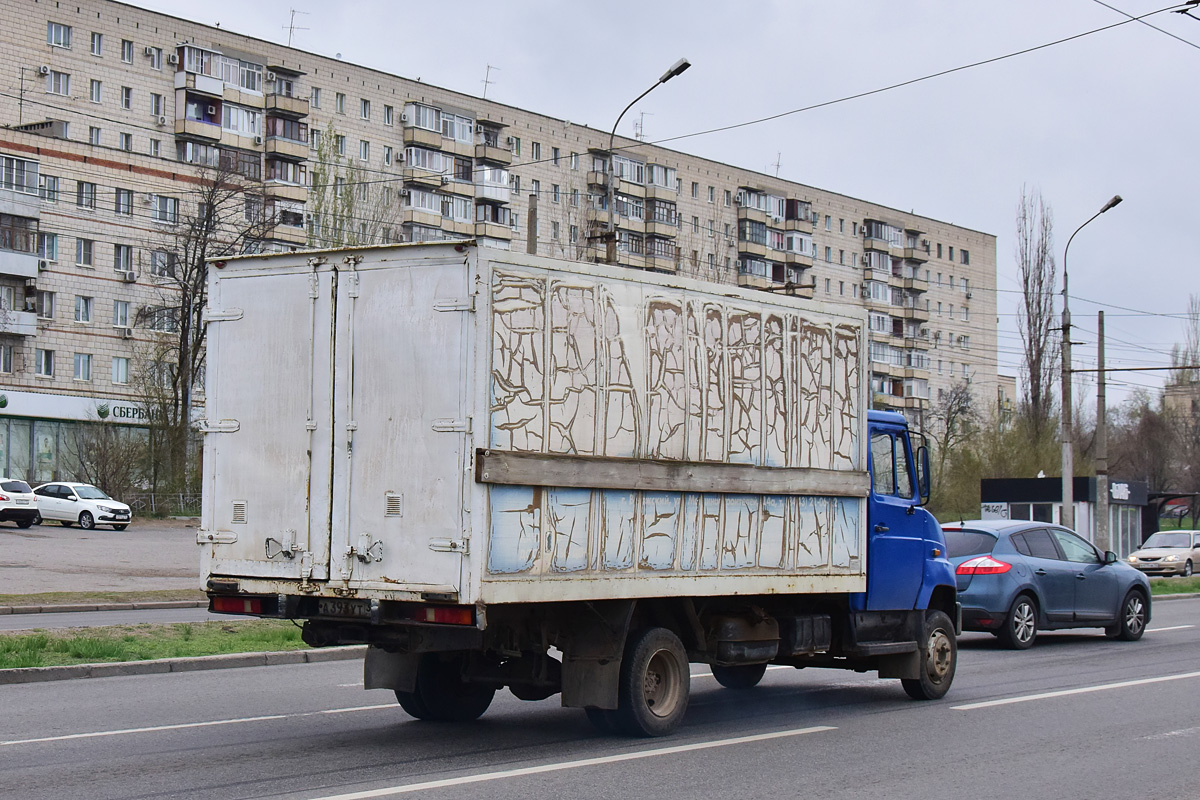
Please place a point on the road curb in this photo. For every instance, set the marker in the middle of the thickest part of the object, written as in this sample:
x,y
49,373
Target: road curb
x,y
1158,598
71,608
164,665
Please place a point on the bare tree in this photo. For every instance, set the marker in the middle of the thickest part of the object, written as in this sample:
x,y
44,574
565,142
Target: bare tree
x,y
954,421
108,455
230,216
1185,357
1035,317
349,205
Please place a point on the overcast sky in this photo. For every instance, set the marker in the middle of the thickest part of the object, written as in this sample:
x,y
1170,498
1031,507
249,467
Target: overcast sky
x,y
1109,113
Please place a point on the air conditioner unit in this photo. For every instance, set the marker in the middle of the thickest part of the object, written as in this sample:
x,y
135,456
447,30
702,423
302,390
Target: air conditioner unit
x,y
127,333
149,51
511,140
270,76
404,119
172,59
162,120
129,276
258,140
925,243
43,70
866,261
969,295
43,264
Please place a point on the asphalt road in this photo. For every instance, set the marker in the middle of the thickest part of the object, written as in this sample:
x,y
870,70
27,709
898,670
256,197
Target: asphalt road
x,y
95,619
1075,717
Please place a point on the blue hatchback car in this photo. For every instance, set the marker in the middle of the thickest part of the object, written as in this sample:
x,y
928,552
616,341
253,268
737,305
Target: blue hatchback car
x,y
1016,578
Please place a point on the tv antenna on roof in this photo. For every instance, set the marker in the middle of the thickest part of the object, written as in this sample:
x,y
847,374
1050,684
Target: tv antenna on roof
x,y
291,26
487,79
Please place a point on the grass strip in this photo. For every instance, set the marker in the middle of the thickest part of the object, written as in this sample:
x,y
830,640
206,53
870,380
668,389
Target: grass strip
x,y
91,598
61,647
1174,585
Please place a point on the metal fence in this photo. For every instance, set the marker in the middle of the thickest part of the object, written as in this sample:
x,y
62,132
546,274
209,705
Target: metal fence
x,y
171,504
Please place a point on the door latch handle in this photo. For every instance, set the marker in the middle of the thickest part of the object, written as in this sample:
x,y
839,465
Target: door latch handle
x,y
1081,577
881,528
1039,572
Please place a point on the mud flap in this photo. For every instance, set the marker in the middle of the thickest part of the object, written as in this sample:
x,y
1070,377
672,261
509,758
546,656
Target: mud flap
x,y
591,668
901,665
384,670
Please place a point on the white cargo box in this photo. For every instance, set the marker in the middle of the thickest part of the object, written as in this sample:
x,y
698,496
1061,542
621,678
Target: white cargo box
x,y
449,422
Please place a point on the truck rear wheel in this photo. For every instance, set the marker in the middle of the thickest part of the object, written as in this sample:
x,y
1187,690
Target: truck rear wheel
x,y
655,684
939,656
441,695
739,676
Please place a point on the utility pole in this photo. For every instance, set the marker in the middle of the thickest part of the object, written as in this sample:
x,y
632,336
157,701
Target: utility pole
x,y
21,100
1101,447
531,226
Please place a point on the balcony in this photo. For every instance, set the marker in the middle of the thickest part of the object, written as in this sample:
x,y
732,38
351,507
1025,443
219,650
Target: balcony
x,y
288,148
916,403
797,259
596,177
292,234
200,84
747,280
631,260
422,177
888,401
798,225
291,106
916,314
18,323
662,263
493,230
423,137
753,214
493,154
287,191
752,248
656,192
196,129
658,227
916,284
461,188
916,252
879,245
917,372
18,265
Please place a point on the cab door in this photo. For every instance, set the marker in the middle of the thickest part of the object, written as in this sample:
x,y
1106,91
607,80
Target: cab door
x,y
896,548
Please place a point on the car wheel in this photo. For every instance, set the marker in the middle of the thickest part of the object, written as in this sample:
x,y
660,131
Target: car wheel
x,y
119,527
654,684
1021,625
441,695
37,519
739,676
939,659
86,520
1131,623
1187,569
25,523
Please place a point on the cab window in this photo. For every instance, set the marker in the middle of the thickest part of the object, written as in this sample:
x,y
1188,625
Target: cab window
x,y
890,467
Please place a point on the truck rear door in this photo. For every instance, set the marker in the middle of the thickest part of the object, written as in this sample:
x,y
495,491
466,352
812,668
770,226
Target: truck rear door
x,y
402,425
268,417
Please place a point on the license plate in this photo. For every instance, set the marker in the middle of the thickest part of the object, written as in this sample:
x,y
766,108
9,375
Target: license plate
x,y
332,607
121,515
21,502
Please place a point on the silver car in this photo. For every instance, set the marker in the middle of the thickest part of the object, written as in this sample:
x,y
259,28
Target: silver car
x,y
1168,553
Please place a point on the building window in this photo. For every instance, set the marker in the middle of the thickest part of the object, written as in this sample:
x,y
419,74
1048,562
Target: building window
x,y
122,258
126,98
950,252
728,198
314,97
516,145
695,189
156,104
555,193
364,150
535,186
6,358
574,233
58,35
388,115
83,366
339,142
387,156
828,282
828,224
85,195
85,250
94,135
127,51
45,304
156,57
97,44
829,254
124,202
712,194
162,264
58,83
94,91
43,363
364,108
554,231
695,223
575,198
120,369
48,246
535,151
155,147
121,313
48,188
164,209
575,161
126,141
964,256
339,103
554,157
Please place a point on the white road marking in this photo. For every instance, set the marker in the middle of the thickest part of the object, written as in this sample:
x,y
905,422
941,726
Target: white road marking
x,y
350,685
1172,734
185,725
1170,628
1082,690
483,777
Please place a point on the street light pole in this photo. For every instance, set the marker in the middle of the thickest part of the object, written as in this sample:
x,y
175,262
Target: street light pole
x,y
1067,517
610,254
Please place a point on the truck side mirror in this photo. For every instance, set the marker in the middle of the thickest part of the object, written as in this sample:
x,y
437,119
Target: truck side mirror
x,y
923,485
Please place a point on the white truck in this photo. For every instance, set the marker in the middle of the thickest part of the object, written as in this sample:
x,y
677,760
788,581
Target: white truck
x,y
497,469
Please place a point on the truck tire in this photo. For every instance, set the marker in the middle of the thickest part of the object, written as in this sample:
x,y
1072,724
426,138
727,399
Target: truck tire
x,y
1021,624
739,676
441,695
939,657
1131,623
655,684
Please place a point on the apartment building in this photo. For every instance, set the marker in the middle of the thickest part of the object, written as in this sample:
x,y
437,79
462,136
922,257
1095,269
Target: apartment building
x,y
120,113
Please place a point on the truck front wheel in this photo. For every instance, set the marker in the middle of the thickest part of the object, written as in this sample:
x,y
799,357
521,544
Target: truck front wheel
x,y
938,651
441,695
655,684
739,676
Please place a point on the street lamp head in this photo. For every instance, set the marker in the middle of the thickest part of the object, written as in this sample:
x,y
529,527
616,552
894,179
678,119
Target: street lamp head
x,y
1116,200
676,68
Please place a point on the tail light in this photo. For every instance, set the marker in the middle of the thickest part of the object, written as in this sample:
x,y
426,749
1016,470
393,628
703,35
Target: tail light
x,y
446,615
237,605
3,498
983,565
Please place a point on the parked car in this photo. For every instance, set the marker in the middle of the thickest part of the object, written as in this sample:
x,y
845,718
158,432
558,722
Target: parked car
x,y
1168,553
69,503
1016,578
17,503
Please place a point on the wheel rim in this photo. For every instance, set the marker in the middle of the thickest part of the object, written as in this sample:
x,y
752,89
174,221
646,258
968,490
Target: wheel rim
x,y
1135,614
1024,622
661,684
1187,570
85,520
941,656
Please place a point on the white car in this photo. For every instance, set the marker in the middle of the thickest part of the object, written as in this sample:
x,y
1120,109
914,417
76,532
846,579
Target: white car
x,y
17,503
68,503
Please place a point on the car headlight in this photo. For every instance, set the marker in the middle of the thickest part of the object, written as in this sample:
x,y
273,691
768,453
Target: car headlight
x,y
106,509
1170,558
1133,559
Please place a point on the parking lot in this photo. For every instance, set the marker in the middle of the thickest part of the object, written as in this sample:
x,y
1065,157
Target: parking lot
x,y
151,554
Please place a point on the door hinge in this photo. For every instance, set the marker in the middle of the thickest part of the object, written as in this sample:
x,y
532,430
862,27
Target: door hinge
x,y
224,426
367,550
222,314
462,546
447,425
454,303
216,537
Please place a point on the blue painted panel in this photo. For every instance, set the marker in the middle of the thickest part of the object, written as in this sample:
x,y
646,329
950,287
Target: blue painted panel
x,y
660,529
710,531
567,513
812,529
772,548
739,550
689,535
847,513
616,542
516,529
